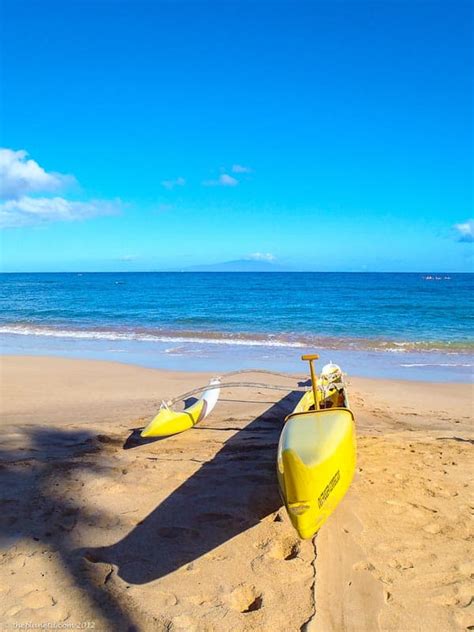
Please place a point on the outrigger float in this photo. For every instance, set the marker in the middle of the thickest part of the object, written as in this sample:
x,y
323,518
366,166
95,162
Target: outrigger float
x,y
169,422
316,453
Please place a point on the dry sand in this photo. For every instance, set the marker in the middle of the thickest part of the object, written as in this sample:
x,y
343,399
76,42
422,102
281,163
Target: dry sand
x,y
187,533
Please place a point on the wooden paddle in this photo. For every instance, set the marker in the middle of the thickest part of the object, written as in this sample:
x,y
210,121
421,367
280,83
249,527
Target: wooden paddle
x,y
314,380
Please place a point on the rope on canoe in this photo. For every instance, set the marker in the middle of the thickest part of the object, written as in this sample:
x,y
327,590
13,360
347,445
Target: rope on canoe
x,y
210,387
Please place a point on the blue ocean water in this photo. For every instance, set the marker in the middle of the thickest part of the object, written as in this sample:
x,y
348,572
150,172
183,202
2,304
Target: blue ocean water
x,y
416,326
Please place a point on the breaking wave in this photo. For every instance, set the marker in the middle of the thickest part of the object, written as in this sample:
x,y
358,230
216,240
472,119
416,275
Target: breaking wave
x,y
153,335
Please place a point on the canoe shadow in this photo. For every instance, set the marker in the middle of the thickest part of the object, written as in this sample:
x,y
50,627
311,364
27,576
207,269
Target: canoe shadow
x,y
229,494
135,440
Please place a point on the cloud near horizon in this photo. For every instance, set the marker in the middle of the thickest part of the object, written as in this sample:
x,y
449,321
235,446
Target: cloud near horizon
x,y
262,256
224,180
31,211
465,231
20,176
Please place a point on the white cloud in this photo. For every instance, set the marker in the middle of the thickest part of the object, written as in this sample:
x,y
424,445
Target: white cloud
x,y
465,231
20,176
170,184
30,211
261,256
227,181
224,180
241,169
128,258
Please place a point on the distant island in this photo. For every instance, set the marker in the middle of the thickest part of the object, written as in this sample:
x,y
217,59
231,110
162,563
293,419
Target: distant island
x,y
239,265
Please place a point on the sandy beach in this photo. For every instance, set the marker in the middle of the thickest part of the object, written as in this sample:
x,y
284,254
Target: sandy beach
x,y
105,531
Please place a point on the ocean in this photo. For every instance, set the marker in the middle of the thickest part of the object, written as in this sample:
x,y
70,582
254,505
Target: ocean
x,y
412,326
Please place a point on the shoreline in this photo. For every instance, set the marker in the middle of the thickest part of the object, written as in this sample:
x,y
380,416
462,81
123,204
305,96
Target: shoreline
x,y
426,366
236,338
102,527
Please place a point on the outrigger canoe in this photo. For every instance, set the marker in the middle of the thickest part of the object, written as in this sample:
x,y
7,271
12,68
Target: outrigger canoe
x,y
317,452
169,422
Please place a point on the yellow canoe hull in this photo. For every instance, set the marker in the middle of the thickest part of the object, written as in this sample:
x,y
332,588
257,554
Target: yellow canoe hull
x,y
170,422
316,463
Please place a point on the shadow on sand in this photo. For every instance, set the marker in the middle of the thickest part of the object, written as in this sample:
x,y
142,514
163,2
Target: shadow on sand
x,y
40,508
44,500
227,495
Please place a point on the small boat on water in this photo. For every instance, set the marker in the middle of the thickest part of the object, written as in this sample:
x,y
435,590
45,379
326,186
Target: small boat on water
x,y
317,452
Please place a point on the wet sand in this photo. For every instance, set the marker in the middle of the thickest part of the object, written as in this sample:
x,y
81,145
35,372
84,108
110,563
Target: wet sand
x,y
188,532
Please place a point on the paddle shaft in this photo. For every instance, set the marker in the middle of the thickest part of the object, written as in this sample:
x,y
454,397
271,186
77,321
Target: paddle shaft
x,y
314,382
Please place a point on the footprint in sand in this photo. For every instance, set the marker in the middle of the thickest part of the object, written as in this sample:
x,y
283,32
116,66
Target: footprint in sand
x,y
245,599
400,565
68,520
287,549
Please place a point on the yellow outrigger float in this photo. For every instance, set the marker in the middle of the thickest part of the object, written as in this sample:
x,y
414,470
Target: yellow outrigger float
x,y
169,422
317,451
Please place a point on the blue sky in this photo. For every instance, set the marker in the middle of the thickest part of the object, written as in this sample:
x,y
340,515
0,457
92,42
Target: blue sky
x,y
323,135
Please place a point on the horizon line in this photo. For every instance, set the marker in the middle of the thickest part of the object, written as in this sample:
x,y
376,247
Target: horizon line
x,y
234,272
